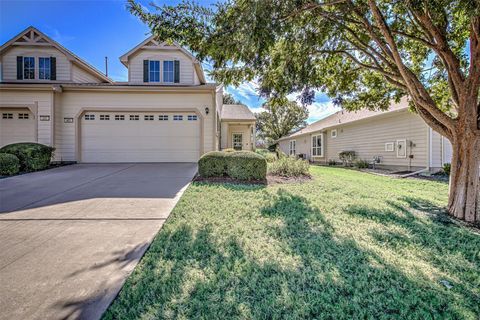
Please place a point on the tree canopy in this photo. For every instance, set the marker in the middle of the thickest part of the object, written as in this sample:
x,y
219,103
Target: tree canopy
x,y
280,117
230,99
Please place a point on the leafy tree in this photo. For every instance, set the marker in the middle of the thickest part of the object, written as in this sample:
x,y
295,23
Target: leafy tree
x,y
279,118
362,53
229,99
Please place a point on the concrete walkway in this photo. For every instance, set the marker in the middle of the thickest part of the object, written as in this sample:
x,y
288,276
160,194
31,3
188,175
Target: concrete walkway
x,y
70,236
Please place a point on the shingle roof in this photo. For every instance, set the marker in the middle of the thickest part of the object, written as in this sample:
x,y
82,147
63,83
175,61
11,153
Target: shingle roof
x,y
343,117
236,112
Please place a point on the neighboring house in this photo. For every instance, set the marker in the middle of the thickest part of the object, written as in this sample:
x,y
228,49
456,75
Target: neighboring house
x,y
165,112
237,127
397,137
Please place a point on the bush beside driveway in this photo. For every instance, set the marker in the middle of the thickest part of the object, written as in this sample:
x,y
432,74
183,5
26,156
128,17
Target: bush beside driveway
x,y
345,245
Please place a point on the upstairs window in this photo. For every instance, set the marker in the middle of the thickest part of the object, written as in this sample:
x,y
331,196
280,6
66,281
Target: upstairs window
x,y
168,71
28,68
44,68
154,71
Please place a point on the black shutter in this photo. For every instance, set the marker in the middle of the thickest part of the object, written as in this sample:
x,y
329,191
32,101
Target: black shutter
x,y
176,70
19,68
53,68
145,70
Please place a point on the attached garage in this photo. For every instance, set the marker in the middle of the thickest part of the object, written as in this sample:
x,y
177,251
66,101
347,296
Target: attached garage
x,y
17,125
140,136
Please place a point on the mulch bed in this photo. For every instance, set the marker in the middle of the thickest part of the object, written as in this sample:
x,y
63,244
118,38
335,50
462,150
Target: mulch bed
x,y
271,179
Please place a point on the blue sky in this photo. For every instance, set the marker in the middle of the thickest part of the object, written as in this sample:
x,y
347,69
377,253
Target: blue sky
x,y
96,29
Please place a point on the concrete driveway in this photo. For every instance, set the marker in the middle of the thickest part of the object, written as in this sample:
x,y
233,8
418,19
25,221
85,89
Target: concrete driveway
x,y
70,236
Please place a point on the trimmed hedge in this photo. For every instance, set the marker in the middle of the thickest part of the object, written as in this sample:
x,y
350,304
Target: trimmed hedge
x,y
32,156
9,164
241,165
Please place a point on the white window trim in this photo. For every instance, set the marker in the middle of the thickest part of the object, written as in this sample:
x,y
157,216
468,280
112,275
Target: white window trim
x,y
405,145
389,146
294,153
333,135
321,147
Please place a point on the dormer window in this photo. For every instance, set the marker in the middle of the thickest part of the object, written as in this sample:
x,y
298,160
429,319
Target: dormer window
x,y
28,68
168,71
154,71
44,70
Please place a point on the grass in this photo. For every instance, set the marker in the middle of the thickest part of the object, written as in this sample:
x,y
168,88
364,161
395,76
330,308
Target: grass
x,y
345,245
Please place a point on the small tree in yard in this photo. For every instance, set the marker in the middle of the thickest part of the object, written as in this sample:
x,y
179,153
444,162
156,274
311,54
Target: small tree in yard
x,y
279,118
362,53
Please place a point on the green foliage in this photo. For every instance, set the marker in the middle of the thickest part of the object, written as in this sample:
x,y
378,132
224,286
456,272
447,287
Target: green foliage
x,y
268,155
229,150
298,46
279,118
289,167
9,164
229,99
32,156
446,168
347,157
241,165
332,162
361,164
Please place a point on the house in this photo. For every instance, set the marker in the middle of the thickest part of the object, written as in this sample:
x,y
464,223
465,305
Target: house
x,y
397,138
165,112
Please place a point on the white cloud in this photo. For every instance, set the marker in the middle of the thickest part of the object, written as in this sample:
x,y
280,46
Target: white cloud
x,y
320,110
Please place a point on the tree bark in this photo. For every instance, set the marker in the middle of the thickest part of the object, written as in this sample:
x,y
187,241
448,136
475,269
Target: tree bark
x,y
464,191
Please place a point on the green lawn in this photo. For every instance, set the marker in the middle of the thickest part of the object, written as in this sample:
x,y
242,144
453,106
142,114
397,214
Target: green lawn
x,y
346,245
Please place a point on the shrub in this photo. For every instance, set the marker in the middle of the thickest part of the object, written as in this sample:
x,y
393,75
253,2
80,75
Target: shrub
x,y
9,164
32,156
332,162
246,165
213,164
229,150
347,157
241,165
270,157
361,164
289,167
446,168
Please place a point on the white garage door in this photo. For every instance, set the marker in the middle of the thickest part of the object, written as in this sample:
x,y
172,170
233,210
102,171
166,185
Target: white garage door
x,y
16,126
140,137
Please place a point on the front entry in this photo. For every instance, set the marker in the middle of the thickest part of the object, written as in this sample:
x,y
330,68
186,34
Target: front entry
x,y
237,141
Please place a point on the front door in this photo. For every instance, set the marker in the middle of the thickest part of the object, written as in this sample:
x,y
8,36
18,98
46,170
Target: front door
x,y
237,141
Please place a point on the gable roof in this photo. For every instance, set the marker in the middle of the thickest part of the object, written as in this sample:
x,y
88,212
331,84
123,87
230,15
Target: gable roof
x,y
152,43
32,36
343,117
237,112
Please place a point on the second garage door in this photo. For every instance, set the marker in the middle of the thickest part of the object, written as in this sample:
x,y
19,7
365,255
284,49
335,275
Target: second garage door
x,y
140,137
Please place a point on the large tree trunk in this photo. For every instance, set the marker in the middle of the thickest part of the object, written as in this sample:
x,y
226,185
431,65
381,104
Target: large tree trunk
x,y
464,198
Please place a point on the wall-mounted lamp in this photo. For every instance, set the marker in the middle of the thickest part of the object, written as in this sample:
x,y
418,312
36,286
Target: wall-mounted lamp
x,y
207,110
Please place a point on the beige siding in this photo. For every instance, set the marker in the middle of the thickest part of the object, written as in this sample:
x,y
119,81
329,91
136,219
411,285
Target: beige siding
x,y
135,69
9,61
368,137
44,104
73,102
302,143
79,75
228,129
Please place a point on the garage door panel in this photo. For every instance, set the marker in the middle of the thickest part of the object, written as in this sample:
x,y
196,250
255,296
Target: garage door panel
x,y
16,126
139,140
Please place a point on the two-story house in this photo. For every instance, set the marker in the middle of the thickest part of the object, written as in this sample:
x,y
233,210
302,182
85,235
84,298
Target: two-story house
x,y
165,112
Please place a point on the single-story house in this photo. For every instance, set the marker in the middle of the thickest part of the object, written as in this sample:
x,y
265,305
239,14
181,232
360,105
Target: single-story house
x,y
397,138
165,112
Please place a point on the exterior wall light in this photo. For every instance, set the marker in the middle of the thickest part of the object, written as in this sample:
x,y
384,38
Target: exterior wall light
x,y
207,110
